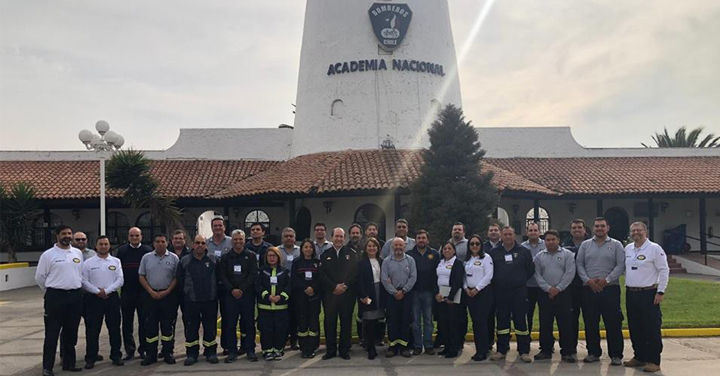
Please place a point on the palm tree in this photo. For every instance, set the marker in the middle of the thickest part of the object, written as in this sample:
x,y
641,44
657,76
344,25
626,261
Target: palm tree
x,y
18,210
683,139
129,170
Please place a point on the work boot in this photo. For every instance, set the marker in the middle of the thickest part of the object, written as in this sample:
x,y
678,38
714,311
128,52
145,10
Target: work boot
x,y
498,356
650,367
634,363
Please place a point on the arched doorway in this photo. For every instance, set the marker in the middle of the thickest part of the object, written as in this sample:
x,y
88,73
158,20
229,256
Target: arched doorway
x,y
371,213
619,223
303,221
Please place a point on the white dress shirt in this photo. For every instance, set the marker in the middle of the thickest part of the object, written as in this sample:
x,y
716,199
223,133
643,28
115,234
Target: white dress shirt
x,y
478,272
646,266
376,270
443,270
102,273
60,269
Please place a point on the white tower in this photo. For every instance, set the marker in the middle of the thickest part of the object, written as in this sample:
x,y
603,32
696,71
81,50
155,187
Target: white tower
x,y
373,70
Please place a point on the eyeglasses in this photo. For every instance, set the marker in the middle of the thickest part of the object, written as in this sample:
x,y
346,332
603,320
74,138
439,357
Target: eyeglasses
x,y
474,243
202,243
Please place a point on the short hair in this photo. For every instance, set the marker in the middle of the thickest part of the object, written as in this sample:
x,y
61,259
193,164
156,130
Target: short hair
x,y
367,226
237,231
288,229
553,233
321,225
402,220
420,232
217,218
459,224
533,223
353,226
578,220
507,228
641,224
601,219
274,250
159,236
178,232
101,237
338,228
61,228
257,224
494,224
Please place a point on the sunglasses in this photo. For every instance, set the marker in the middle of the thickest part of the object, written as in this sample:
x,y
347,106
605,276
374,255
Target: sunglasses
x,y
80,239
474,243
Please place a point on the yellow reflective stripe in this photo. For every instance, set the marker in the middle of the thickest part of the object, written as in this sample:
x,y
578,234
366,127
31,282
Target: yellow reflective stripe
x,y
193,343
522,332
313,334
285,295
273,287
152,340
503,331
264,293
303,334
273,307
211,343
166,339
398,342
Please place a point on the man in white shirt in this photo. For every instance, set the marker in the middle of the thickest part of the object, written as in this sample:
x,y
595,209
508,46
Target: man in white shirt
x,y
102,277
646,278
59,274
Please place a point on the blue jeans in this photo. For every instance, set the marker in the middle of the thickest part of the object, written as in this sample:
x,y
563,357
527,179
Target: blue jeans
x,y
422,305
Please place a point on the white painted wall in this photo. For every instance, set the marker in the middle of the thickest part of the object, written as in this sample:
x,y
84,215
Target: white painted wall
x,y
376,103
16,278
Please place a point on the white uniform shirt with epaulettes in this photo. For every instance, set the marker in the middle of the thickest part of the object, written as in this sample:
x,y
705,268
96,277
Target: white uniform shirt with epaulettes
x,y
478,272
646,266
60,269
102,273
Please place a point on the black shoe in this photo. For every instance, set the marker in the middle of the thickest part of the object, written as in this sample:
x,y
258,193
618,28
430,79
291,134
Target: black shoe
x,y
99,358
212,359
479,357
442,352
311,354
169,359
345,355
542,356
89,365
128,357
147,361
252,357
71,369
231,358
294,344
268,356
329,355
48,372
118,362
190,361
417,351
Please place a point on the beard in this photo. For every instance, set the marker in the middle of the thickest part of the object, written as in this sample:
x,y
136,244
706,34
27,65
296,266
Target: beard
x,y
65,241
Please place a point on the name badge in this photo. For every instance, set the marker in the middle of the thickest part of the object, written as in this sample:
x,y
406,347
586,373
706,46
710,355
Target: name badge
x,y
237,268
218,253
308,276
290,257
273,280
508,258
257,256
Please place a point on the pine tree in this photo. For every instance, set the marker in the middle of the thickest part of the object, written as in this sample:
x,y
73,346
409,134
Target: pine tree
x,y
451,187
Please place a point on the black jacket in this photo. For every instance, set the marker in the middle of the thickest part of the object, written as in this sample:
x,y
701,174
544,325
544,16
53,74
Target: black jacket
x,y
245,279
197,278
366,287
130,259
258,249
457,277
299,283
426,265
515,273
335,270
264,288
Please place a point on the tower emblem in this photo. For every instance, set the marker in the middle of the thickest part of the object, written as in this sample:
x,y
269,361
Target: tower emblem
x,y
390,23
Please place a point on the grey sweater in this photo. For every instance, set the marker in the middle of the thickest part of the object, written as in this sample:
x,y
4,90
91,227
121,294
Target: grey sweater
x,y
554,269
606,260
398,274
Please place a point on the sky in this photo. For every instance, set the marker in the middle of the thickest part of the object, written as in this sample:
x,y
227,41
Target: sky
x,y
613,71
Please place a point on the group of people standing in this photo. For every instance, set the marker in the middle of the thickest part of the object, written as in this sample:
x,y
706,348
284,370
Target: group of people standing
x,y
400,287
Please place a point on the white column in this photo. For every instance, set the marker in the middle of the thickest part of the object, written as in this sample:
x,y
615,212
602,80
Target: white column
x,y
102,193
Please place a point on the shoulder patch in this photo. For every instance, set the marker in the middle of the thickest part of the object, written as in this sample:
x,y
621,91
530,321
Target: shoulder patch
x,y
112,267
76,260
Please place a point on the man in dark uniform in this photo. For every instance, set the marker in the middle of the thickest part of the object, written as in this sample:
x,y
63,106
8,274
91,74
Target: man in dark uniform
x,y
130,255
256,242
579,235
493,239
338,270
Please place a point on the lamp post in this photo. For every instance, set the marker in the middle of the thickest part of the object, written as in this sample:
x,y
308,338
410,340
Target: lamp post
x,y
104,144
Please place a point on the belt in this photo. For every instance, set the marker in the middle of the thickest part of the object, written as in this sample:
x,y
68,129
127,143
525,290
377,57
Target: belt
x,y
62,290
635,289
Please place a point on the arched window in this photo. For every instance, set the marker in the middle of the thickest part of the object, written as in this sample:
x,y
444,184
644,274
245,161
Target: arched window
x,y
38,238
149,227
543,221
503,217
337,108
117,228
371,213
619,223
204,223
258,216
303,222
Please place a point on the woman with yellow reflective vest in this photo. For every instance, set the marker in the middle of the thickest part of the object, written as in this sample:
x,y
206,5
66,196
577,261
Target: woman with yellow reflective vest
x,y
272,288
306,294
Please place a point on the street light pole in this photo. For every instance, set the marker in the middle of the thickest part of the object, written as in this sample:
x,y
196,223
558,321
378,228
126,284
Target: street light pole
x,y
105,143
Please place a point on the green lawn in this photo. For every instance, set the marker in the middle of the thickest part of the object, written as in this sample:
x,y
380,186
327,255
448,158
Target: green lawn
x,y
687,304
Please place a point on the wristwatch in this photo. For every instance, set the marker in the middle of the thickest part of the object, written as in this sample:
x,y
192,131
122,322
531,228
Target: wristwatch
x,y
660,293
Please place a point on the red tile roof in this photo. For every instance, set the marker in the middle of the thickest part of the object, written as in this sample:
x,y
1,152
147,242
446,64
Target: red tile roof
x,y
362,170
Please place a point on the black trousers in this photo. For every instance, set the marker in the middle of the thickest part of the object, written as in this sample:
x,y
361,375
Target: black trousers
x,y
558,308
398,314
511,305
273,326
449,326
163,314
307,311
370,330
338,306
244,310
197,313
491,321
222,295
98,309
576,292
479,307
292,321
62,312
463,317
533,297
644,322
605,304
130,302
